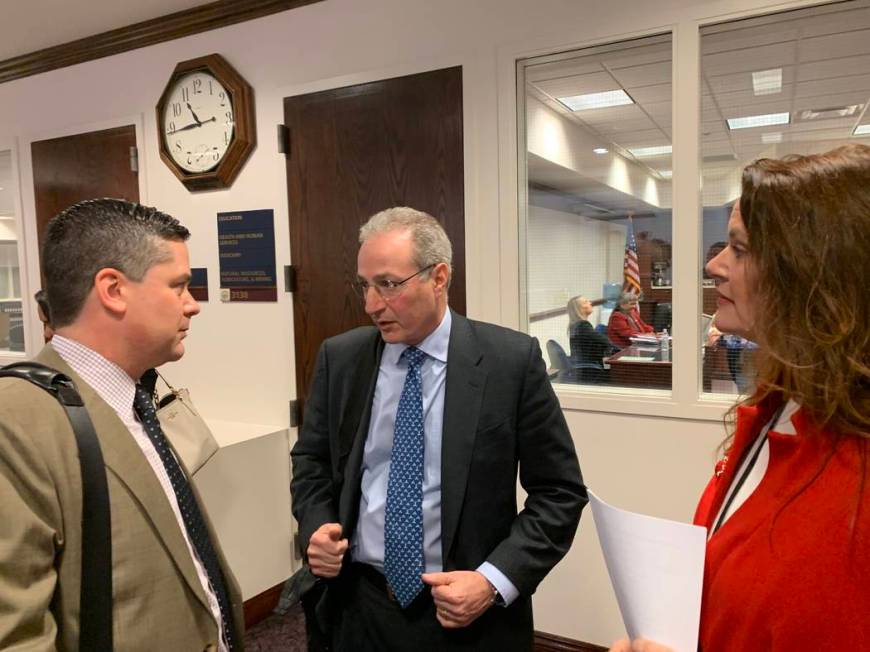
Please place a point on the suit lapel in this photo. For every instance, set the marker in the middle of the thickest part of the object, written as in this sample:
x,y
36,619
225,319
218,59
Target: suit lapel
x,y
462,399
353,431
126,460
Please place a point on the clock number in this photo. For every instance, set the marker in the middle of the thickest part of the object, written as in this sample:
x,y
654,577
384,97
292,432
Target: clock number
x,y
210,89
171,128
176,109
223,98
185,94
229,115
197,86
178,145
216,156
226,138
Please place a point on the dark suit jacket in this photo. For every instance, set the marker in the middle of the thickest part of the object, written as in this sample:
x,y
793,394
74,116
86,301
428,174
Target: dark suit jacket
x,y
500,415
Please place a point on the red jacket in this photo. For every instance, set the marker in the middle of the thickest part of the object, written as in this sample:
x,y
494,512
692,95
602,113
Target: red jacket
x,y
790,576
622,326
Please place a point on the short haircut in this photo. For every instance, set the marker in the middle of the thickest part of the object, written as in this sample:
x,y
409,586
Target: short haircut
x,y
627,297
97,234
431,244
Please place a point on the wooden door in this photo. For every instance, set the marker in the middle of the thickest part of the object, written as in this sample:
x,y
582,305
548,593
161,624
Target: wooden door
x,y
353,152
84,166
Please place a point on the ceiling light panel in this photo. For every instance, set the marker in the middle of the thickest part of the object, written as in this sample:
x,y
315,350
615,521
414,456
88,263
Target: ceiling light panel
x,y
763,120
767,82
862,130
602,100
649,152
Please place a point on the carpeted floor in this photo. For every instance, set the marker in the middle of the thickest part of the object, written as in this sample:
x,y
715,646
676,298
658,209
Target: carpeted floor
x,y
278,633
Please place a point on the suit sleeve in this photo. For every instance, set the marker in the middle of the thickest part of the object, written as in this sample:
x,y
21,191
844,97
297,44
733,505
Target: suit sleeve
x,y
30,539
312,491
549,472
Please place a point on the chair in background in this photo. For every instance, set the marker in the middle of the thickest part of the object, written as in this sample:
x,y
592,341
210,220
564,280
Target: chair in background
x,y
569,370
662,317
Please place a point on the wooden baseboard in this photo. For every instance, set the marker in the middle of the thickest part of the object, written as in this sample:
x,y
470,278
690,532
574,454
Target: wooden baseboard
x,y
551,643
261,606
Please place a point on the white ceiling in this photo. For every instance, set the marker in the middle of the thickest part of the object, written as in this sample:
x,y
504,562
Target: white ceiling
x,y
29,25
824,54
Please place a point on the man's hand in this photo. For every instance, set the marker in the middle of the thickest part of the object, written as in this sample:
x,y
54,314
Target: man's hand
x,y
460,596
638,645
326,549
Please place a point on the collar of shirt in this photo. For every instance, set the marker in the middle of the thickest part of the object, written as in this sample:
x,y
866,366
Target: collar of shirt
x,y
435,344
109,381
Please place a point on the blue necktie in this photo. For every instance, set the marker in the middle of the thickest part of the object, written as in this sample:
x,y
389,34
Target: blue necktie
x,y
403,516
194,522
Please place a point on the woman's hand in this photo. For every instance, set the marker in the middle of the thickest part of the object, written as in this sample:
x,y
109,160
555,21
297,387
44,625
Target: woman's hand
x,y
638,645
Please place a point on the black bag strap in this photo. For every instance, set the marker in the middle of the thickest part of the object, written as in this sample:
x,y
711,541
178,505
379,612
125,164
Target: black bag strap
x,y
95,626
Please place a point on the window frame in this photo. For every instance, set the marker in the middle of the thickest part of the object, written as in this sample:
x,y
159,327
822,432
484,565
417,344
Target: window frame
x,y
686,399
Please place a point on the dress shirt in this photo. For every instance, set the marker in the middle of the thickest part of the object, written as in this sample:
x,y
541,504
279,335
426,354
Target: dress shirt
x,y
117,389
367,544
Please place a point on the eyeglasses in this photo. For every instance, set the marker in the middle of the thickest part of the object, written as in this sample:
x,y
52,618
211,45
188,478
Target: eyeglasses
x,y
387,288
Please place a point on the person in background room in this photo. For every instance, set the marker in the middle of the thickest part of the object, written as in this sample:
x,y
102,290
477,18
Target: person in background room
x,y
588,346
625,321
405,470
788,509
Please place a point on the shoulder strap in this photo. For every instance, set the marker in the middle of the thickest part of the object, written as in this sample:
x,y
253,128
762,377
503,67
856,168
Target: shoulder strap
x,y
95,626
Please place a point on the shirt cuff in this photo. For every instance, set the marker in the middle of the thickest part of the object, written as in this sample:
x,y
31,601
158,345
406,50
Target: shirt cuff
x,y
502,584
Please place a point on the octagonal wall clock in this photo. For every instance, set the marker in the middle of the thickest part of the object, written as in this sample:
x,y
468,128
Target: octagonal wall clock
x,y
205,123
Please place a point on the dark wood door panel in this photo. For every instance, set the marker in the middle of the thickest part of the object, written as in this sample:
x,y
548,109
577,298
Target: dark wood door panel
x,y
355,151
82,166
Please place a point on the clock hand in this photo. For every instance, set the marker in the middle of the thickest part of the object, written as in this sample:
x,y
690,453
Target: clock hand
x,y
192,125
193,114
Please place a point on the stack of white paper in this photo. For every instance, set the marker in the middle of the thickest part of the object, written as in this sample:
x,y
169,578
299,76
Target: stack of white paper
x,y
657,569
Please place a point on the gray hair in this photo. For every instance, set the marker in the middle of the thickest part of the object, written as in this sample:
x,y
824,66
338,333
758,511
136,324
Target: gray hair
x,y
431,244
97,234
626,297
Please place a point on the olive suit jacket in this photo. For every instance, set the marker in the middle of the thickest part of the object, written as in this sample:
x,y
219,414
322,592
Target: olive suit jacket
x,y
500,415
158,600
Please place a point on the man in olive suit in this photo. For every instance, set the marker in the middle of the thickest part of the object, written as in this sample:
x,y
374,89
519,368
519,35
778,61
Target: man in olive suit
x,y
117,279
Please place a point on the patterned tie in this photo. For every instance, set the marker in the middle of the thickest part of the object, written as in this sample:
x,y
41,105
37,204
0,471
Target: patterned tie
x,y
403,517
190,512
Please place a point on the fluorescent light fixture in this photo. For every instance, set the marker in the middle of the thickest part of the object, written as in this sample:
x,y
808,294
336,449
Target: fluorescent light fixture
x,y
830,112
764,120
596,100
767,82
772,137
647,152
666,174
600,150
862,130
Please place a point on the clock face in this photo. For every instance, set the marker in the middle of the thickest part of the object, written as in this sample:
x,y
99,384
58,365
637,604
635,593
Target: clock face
x,y
198,122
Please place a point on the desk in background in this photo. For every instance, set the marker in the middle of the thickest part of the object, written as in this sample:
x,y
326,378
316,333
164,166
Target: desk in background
x,y
641,366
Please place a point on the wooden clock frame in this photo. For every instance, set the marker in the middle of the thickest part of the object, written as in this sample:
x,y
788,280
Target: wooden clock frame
x,y
244,132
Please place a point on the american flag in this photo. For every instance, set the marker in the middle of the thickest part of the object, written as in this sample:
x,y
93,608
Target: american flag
x,y
630,269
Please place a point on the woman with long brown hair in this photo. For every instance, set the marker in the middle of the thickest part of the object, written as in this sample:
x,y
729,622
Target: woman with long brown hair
x,y
788,510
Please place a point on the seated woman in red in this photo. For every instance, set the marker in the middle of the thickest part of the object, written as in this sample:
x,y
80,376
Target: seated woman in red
x,y
625,321
788,510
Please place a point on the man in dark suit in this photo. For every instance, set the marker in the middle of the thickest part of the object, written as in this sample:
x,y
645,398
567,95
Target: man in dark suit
x,y
404,474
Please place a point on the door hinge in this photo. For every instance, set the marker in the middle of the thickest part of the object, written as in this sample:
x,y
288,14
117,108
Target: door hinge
x,y
284,140
294,414
290,278
134,159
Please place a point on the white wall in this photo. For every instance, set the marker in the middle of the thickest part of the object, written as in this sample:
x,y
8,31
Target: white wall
x,y
240,356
